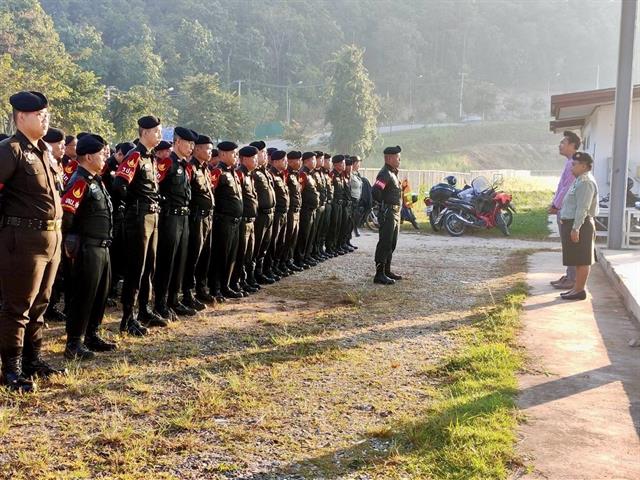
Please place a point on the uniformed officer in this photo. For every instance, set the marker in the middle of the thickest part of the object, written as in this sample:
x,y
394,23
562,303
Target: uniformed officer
x,y
69,163
263,181
337,182
287,266
87,228
347,222
318,227
174,183
326,226
30,241
246,238
278,170
226,220
137,186
387,192
356,194
163,150
200,218
310,203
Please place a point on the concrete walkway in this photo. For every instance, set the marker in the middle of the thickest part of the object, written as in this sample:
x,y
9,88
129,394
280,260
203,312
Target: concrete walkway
x,y
581,393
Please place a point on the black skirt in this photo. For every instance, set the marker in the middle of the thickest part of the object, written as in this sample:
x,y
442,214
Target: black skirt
x,y
583,252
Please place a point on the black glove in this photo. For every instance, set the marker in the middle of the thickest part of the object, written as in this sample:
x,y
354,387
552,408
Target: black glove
x,y
71,245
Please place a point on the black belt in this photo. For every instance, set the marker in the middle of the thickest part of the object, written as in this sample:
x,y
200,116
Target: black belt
x,y
201,212
248,219
144,207
33,223
280,210
182,211
229,218
266,211
96,242
339,202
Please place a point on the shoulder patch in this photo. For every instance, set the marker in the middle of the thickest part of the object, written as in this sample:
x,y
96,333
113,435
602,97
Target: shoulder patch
x,y
380,183
127,169
73,197
163,167
68,171
215,176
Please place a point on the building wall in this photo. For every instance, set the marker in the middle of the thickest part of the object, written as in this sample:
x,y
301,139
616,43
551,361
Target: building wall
x,y
598,141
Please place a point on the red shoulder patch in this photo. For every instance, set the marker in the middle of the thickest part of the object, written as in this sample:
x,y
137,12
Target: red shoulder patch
x,y
380,184
73,197
215,176
163,166
127,169
240,174
68,171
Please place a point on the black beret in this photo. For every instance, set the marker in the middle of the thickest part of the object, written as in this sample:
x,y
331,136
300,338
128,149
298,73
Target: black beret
x,y
337,158
327,156
148,122
53,135
270,150
318,153
185,134
3,136
392,150
214,153
583,157
163,145
248,151
124,147
203,140
28,101
227,146
81,134
68,139
348,160
90,143
278,155
307,155
294,155
259,144
355,158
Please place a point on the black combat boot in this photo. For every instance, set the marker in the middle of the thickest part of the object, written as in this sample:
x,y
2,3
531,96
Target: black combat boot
x,y
389,273
204,296
130,325
381,277
96,343
12,376
188,300
149,318
76,350
32,363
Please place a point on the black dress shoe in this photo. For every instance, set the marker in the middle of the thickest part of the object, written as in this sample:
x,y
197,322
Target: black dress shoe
x,y
205,297
96,343
37,367
150,319
392,275
135,328
182,309
192,302
165,313
574,296
263,279
16,382
351,245
382,279
76,350
229,293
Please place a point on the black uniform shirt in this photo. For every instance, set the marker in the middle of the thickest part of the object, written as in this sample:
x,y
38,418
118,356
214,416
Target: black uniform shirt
x,y
322,185
282,192
249,196
201,189
337,181
226,191
329,184
295,190
263,182
87,207
174,181
136,177
27,180
310,191
386,188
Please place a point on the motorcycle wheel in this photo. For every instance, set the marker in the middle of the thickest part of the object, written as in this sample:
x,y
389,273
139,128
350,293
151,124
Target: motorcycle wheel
x,y
372,222
501,223
433,215
453,226
508,217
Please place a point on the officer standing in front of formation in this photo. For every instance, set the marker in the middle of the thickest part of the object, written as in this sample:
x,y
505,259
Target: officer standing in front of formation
x,y
388,193
200,217
240,281
278,171
226,220
287,267
174,183
310,203
137,186
263,182
30,241
87,227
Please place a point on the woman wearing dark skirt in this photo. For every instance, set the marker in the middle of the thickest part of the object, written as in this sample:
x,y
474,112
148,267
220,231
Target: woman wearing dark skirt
x,y
577,229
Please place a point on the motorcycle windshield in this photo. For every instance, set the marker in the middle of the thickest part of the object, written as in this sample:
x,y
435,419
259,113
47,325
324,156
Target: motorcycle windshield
x,y
480,184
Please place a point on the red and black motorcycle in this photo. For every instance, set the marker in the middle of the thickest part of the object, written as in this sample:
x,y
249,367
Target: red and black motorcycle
x,y
483,207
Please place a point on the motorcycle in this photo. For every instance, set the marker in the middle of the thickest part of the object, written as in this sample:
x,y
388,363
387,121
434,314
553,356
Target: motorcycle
x,y
371,220
481,206
437,198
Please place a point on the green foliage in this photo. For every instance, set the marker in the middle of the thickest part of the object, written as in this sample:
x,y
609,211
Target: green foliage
x,y
353,106
205,108
295,135
126,107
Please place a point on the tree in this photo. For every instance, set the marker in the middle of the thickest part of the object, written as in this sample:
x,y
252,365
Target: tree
x,y
353,107
295,135
126,107
205,108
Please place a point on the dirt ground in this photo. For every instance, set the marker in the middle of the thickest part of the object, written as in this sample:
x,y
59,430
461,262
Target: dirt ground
x,y
289,383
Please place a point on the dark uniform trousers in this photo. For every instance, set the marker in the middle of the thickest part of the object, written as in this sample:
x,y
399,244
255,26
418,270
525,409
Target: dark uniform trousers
x,y
276,248
389,218
173,238
347,223
224,250
28,266
244,258
198,251
118,248
142,243
263,233
325,226
91,274
307,217
315,231
336,224
292,235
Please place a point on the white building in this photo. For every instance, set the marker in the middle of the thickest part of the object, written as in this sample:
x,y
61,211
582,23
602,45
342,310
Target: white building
x,y
592,113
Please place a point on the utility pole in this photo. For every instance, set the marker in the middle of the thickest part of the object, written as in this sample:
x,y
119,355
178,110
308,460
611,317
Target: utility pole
x,y
624,98
462,74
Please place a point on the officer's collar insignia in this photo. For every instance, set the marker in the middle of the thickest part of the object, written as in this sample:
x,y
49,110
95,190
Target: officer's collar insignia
x,y
179,171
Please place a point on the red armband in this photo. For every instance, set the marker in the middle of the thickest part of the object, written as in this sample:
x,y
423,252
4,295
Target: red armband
x,y
72,199
127,169
163,166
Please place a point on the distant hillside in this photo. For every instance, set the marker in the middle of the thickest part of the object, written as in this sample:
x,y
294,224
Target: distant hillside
x,y
519,145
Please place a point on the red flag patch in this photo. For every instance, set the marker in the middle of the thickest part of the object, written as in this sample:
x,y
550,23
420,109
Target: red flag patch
x,y
127,169
72,199
380,184
163,165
